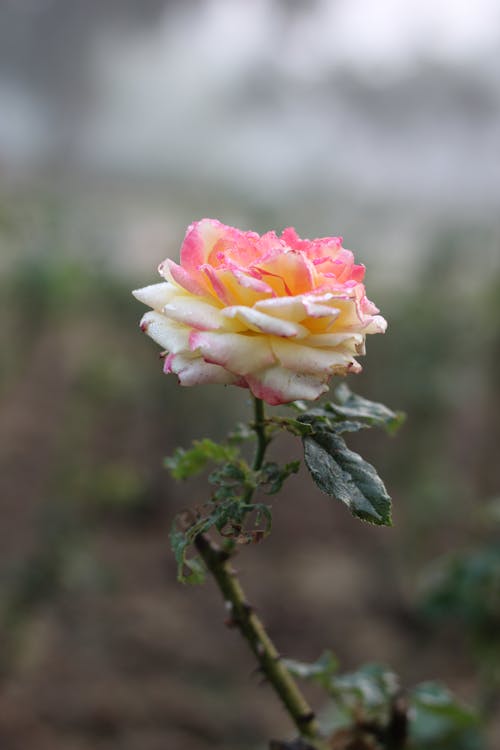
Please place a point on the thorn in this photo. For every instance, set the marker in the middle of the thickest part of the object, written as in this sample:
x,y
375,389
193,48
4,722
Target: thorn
x,y
307,718
224,556
247,608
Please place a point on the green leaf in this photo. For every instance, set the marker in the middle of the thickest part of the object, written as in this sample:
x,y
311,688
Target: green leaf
x,y
186,463
189,570
465,588
370,689
355,407
350,414
343,474
241,433
272,476
365,694
322,670
298,405
440,721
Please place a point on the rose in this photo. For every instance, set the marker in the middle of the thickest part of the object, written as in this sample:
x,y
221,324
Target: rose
x,y
277,315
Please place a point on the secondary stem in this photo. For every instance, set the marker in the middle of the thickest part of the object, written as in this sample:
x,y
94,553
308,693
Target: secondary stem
x,y
244,618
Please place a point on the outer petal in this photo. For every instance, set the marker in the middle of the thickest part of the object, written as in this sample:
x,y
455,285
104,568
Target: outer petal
x,y
195,371
170,336
239,353
330,340
277,385
262,323
156,295
378,324
322,362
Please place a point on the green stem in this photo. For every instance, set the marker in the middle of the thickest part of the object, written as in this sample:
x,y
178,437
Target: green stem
x,y
259,427
242,616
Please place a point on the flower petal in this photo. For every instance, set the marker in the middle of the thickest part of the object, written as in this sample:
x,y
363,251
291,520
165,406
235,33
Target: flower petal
x,y
262,323
239,353
308,359
170,336
191,282
200,314
195,371
378,324
331,340
156,295
293,268
286,308
200,238
277,385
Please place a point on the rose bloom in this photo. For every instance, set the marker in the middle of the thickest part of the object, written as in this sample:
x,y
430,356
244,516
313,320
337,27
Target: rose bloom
x,y
277,315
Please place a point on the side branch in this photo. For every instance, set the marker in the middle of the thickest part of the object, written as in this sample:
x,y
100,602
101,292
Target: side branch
x,y
244,618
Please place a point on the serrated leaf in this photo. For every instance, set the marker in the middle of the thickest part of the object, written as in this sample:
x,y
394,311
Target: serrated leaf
x,y
186,463
321,420
272,476
366,693
298,405
322,670
435,697
354,407
345,475
189,570
241,433
466,587
440,721
371,688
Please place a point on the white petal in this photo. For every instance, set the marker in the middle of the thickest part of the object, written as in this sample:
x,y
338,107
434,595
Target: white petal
x,y
316,310
238,353
277,385
199,314
308,359
332,340
285,308
156,295
262,323
378,324
195,371
169,335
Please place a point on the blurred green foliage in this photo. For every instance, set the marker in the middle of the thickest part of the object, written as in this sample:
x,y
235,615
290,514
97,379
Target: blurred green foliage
x,y
371,706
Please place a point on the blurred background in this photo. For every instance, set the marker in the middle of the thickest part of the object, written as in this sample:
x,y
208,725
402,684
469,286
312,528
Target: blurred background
x,y
122,122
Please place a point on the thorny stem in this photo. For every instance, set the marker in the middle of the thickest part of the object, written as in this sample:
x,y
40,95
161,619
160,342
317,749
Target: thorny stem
x,y
242,615
259,427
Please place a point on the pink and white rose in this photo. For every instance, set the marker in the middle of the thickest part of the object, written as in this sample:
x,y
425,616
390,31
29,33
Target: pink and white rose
x,y
277,315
